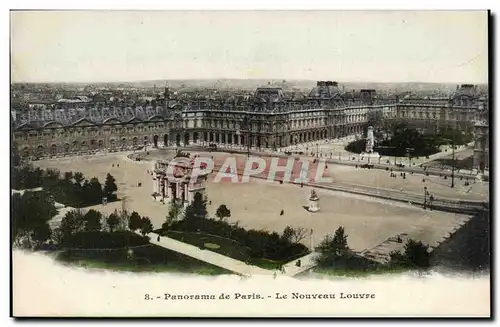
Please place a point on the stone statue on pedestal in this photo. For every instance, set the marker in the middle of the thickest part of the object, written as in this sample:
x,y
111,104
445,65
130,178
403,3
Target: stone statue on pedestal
x,y
370,142
313,202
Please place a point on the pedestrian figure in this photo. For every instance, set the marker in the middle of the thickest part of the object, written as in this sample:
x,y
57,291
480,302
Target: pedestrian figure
x,y
118,165
282,212
210,202
113,165
158,239
301,184
283,270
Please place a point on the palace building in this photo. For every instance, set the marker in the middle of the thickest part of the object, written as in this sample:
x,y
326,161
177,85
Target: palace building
x,y
268,119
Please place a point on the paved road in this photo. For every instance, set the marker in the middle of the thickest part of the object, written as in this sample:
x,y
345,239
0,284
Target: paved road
x,y
417,170
441,203
219,260
210,257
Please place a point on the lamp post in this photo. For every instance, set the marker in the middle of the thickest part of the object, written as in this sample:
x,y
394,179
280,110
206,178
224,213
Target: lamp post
x,y
453,149
453,161
247,121
425,197
312,242
408,151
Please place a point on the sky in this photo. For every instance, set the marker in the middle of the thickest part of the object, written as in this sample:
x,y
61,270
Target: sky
x,y
346,46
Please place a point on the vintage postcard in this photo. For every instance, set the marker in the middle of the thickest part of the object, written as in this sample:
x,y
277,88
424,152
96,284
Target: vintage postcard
x,y
250,163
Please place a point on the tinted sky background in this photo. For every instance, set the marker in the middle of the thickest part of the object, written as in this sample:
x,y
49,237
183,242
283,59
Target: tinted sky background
x,y
347,46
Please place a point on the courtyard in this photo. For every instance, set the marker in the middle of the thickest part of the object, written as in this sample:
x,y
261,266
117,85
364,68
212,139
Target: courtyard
x,y
413,183
258,203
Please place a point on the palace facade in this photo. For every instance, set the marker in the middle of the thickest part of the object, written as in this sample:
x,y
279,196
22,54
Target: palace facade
x,y
268,119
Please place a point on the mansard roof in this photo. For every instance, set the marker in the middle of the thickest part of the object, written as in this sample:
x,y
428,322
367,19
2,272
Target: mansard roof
x,y
325,90
467,90
83,122
52,123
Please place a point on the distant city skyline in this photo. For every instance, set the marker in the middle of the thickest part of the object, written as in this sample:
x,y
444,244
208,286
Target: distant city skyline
x,y
346,46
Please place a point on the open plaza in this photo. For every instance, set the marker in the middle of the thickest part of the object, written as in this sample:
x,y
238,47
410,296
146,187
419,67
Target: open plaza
x,y
258,203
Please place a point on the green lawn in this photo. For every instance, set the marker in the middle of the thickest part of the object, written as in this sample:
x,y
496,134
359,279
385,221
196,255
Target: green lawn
x,y
267,263
225,247
150,258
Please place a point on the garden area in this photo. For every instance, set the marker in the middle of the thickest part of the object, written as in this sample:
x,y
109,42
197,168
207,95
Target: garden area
x,y
213,243
404,137
256,247
72,189
127,251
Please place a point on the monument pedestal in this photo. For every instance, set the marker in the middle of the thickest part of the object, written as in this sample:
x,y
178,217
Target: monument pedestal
x,y
371,156
313,202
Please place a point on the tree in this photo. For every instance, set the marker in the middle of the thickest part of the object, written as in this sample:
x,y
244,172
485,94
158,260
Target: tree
x,y
134,221
223,212
113,220
146,226
94,192
16,158
72,222
123,220
52,176
415,255
41,233
86,193
397,258
173,214
295,235
68,176
92,220
110,187
287,235
31,213
78,177
197,209
333,248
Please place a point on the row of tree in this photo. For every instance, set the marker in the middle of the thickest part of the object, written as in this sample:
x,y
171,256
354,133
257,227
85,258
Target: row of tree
x,y
404,137
72,189
93,222
33,210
